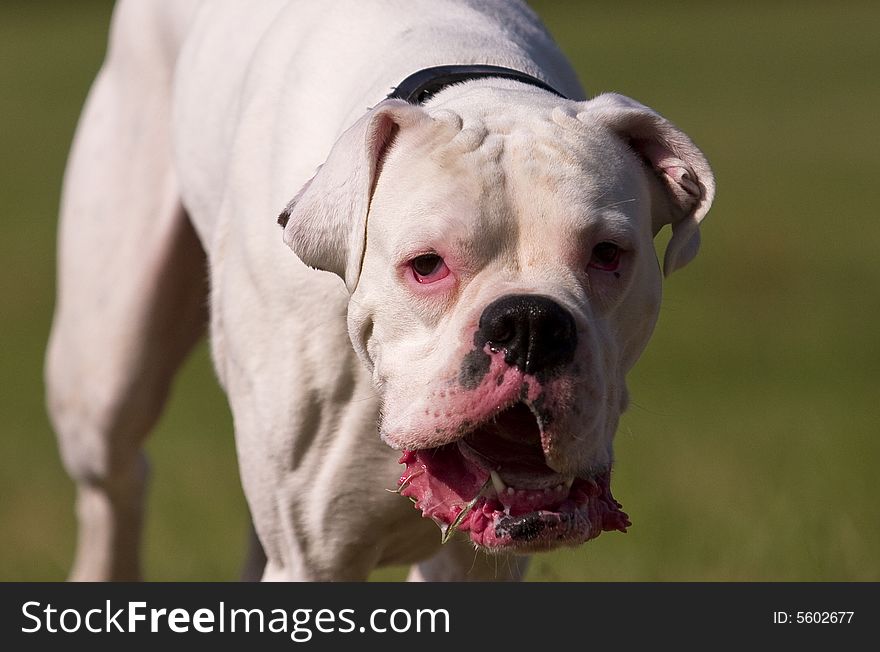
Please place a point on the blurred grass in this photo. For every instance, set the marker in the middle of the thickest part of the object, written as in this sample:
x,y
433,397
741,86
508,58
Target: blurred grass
x,y
751,449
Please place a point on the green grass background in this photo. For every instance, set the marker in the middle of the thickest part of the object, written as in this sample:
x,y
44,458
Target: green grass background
x,y
751,450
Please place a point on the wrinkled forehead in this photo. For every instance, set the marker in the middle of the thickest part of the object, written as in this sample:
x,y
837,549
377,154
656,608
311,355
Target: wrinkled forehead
x,y
500,180
567,183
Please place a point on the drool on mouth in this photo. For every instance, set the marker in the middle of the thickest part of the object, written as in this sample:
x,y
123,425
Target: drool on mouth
x,y
495,485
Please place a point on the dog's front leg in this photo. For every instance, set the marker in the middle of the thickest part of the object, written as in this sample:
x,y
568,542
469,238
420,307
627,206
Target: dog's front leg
x,y
313,469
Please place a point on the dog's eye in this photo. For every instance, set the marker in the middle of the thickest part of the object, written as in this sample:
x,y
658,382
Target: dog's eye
x,y
606,257
429,268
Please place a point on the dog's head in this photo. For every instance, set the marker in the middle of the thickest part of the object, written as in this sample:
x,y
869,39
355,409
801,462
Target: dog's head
x,y
498,249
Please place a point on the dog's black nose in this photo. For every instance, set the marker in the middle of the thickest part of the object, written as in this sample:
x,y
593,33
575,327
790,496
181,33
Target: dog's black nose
x,y
535,333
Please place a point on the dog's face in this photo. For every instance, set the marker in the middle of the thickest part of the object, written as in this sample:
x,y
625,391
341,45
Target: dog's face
x,y
499,252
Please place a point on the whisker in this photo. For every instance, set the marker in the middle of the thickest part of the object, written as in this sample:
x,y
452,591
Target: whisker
x,y
617,203
405,482
651,411
474,562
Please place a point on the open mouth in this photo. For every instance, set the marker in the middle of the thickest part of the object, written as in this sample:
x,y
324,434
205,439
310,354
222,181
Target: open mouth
x,y
495,485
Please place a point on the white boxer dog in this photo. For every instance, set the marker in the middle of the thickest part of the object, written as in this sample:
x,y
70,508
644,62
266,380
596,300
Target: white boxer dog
x,y
465,275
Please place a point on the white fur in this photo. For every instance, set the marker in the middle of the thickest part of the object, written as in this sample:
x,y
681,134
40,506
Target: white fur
x,y
228,108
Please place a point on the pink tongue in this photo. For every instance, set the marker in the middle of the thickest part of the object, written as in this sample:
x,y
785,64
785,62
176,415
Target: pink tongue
x,y
441,481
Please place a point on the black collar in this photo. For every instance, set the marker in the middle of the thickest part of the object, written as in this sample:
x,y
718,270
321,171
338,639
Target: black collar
x,y
420,86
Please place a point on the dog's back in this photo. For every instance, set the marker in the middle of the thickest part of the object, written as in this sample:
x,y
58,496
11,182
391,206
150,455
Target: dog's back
x,y
273,84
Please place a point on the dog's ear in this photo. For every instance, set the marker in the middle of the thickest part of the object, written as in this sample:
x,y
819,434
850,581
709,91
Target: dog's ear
x,y
684,173
325,224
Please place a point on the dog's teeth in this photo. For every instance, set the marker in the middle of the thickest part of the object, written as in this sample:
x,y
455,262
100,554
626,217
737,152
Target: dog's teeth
x,y
569,482
497,482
